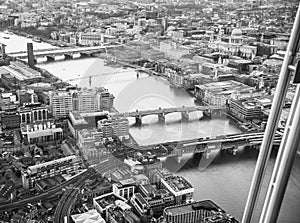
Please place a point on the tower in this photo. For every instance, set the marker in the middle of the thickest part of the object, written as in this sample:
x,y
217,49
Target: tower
x,y
30,55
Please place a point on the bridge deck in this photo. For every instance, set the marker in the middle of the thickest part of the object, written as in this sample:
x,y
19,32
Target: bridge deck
x,y
166,111
63,50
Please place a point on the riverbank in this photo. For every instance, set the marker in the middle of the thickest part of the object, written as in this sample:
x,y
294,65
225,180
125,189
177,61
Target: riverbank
x,y
42,37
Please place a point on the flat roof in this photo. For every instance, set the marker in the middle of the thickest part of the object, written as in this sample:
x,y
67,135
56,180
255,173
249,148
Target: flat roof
x,y
200,205
178,183
108,199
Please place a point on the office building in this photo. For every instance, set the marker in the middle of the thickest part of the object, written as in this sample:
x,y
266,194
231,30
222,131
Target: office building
x,y
219,93
92,100
27,97
154,200
90,39
179,187
8,102
85,101
111,127
197,212
121,212
105,201
245,109
124,188
89,141
10,120
61,103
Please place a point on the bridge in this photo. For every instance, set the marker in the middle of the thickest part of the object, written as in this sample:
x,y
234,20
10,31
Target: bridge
x,y
162,112
67,52
206,146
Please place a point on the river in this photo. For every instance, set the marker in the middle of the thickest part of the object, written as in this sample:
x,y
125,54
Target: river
x,y
223,178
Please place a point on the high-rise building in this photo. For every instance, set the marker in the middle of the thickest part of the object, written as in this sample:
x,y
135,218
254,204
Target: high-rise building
x,y
114,127
85,101
105,99
90,100
61,103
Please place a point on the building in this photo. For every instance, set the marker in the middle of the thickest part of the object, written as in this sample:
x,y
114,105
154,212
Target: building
x,y
179,187
245,109
92,216
85,101
197,212
8,101
33,113
150,201
124,188
105,201
26,97
10,120
111,127
79,121
121,213
106,99
8,191
90,39
91,100
61,103
70,165
89,141
41,131
219,93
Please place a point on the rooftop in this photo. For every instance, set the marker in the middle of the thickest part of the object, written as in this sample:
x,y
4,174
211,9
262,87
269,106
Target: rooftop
x,y
178,183
106,200
92,216
197,206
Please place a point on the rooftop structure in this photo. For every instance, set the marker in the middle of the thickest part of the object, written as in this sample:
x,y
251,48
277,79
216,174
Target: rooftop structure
x,y
22,72
179,187
197,212
103,202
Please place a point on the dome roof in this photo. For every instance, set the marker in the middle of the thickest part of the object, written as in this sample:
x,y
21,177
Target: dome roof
x,y
236,32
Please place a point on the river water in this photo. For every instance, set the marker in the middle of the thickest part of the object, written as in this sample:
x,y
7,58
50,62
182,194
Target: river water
x,y
223,178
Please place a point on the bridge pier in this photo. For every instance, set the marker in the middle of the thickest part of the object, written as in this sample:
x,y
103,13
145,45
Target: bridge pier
x,y
161,118
233,150
216,113
257,147
138,120
50,58
179,155
207,113
68,56
207,153
185,115
85,54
